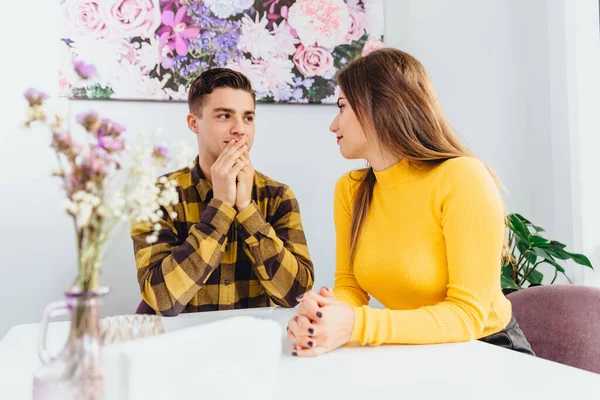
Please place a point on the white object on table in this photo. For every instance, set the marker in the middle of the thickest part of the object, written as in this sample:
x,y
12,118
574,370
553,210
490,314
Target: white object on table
x,y
206,359
461,371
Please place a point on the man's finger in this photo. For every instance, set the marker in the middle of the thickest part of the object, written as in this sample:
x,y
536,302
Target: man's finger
x,y
229,145
231,148
238,166
230,159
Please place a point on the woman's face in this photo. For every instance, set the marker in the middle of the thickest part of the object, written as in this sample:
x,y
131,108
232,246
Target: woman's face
x,y
349,133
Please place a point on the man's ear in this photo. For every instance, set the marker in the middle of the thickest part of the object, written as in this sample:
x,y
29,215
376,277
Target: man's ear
x,y
192,123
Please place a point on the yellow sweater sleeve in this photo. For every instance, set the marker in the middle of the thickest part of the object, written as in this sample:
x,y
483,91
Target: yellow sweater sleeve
x,y
471,214
346,288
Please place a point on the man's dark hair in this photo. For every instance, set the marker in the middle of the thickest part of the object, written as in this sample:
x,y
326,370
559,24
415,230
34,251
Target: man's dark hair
x,y
216,78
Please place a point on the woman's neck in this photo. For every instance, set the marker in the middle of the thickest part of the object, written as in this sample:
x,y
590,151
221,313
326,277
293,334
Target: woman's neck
x,y
382,160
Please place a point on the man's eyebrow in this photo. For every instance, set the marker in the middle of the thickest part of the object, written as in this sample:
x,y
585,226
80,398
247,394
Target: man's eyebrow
x,y
224,109
232,111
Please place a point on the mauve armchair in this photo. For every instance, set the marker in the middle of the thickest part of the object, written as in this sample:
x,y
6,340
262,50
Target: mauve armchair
x,y
561,322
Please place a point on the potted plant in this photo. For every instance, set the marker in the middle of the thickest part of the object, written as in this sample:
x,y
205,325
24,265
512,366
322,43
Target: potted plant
x,y
526,250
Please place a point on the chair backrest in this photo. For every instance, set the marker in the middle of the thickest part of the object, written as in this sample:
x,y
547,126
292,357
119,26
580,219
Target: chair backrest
x,y
561,322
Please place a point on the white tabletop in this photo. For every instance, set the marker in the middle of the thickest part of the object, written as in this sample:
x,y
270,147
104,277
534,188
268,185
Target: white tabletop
x,y
472,370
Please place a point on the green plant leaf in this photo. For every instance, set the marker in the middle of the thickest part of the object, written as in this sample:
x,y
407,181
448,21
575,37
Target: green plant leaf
x,y
519,227
535,277
558,253
548,258
507,271
508,283
530,256
538,241
527,222
522,246
581,260
557,245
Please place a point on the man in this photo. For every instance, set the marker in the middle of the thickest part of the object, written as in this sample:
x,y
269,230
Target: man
x,y
237,240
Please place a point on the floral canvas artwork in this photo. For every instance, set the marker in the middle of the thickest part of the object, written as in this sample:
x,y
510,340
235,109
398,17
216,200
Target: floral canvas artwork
x,y
153,49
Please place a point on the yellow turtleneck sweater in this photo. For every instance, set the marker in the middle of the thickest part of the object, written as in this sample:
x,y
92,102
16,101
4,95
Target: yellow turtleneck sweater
x,y
429,251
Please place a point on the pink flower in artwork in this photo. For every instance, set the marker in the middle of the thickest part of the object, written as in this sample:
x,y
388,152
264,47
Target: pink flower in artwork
x,y
83,70
168,4
278,72
129,18
178,30
371,45
285,39
358,23
165,51
320,22
312,61
85,18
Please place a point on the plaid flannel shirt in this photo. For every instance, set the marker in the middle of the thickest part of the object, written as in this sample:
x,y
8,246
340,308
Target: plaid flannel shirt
x,y
212,258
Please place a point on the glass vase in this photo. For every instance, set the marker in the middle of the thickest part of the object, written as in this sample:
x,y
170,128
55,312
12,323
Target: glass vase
x,y
76,371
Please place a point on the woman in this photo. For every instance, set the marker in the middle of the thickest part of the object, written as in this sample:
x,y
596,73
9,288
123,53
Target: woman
x,y
422,229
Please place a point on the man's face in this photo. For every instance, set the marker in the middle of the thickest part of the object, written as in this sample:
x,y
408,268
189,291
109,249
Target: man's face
x,y
225,114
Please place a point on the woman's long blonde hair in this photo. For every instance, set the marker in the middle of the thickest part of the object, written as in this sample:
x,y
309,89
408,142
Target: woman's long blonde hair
x,y
393,97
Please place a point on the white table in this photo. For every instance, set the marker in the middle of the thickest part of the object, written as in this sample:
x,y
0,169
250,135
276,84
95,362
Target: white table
x,y
462,371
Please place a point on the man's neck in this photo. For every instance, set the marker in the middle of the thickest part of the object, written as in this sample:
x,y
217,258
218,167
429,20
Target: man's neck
x,y
206,163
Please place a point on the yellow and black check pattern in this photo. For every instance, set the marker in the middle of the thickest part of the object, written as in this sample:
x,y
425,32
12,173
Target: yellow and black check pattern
x,y
212,258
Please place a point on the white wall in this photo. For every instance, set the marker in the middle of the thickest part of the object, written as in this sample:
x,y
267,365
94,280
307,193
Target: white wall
x,y
488,60
577,70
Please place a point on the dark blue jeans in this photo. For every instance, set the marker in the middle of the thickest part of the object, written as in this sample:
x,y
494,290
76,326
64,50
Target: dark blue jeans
x,y
511,338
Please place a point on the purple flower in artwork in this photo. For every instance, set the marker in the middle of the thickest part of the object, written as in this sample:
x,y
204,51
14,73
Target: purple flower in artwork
x,y
219,37
189,68
202,16
298,96
176,25
306,82
227,50
35,97
85,71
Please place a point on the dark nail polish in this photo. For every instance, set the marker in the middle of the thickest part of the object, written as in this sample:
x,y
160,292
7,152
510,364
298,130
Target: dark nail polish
x,y
326,288
294,354
311,330
299,296
310,344
319,314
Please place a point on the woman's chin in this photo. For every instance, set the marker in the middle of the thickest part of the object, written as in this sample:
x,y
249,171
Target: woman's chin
x,y
349,155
